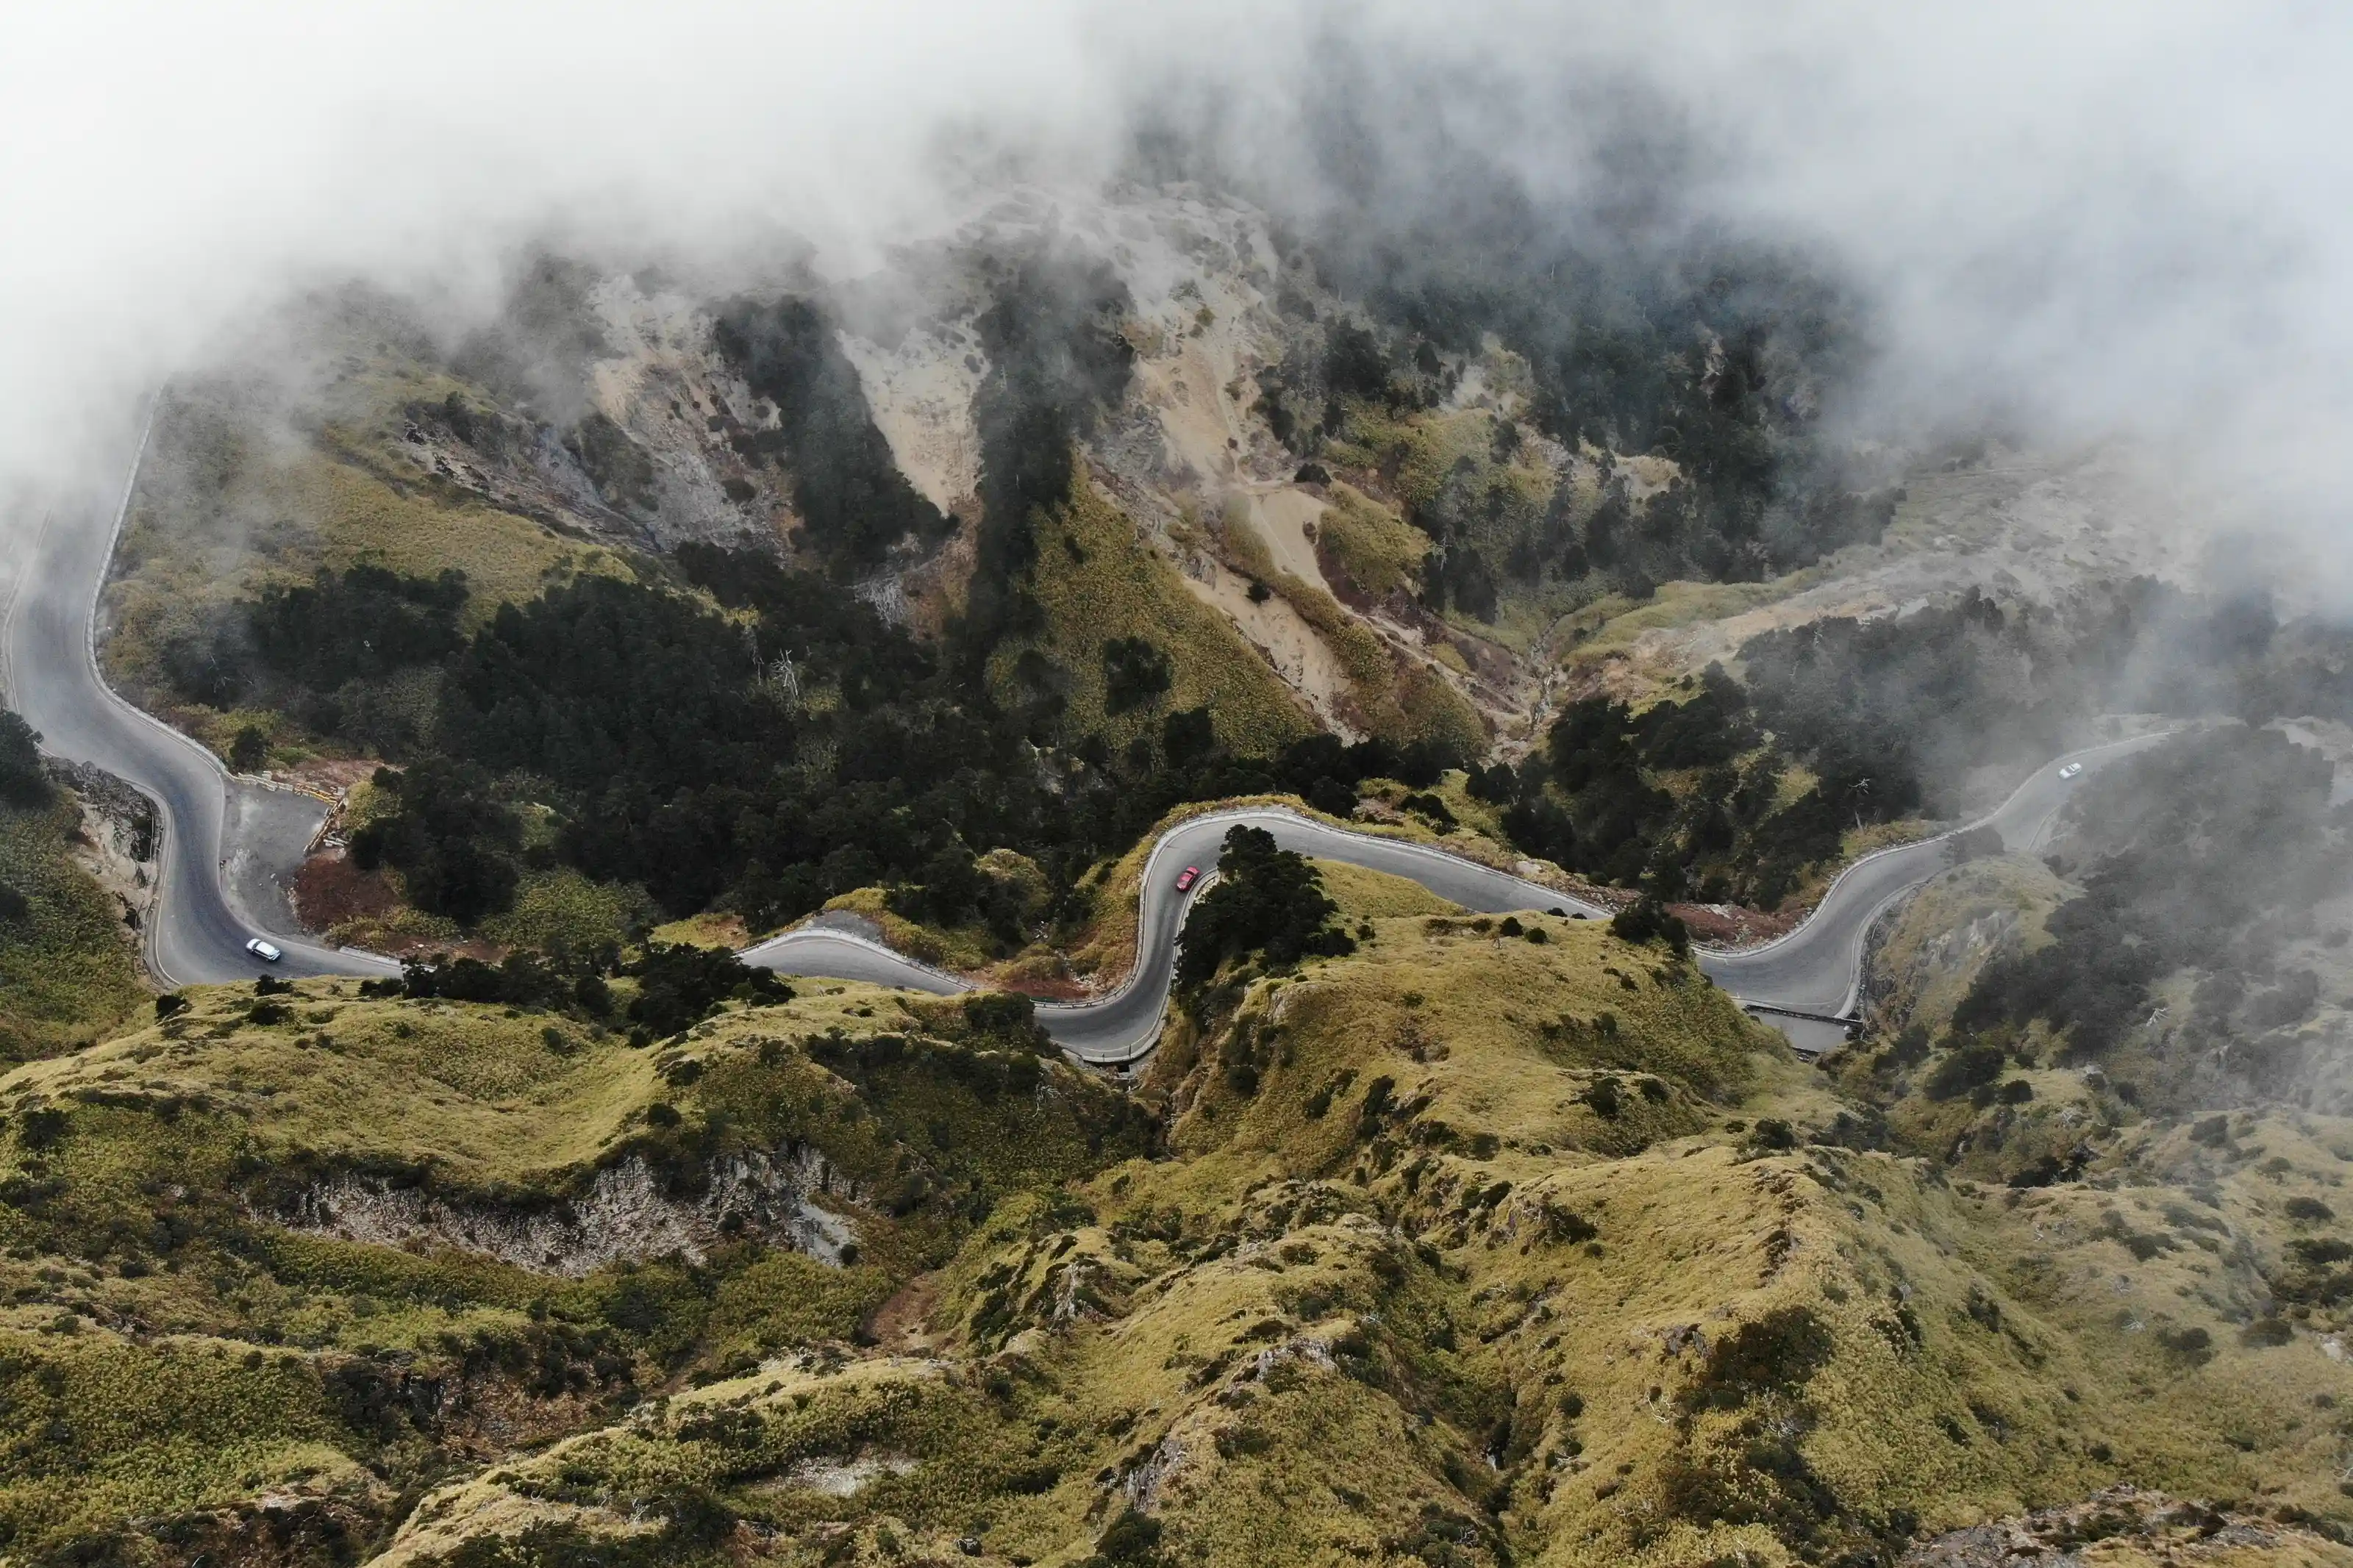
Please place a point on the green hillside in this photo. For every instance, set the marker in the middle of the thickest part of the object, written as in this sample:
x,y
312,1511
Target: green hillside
x,y
68,971
1489,1241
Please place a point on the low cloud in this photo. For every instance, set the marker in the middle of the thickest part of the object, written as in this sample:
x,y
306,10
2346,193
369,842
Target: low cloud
x,y
2112,220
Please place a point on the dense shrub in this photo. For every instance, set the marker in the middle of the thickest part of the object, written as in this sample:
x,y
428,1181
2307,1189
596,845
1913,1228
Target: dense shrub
x,y
520,980
453,840
1134,673
1647,919
22,782
1268,901
850,493
1777,1353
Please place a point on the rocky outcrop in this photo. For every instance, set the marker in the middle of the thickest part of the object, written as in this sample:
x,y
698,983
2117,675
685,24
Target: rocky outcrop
x,y
2127,1524
623,1217
116,839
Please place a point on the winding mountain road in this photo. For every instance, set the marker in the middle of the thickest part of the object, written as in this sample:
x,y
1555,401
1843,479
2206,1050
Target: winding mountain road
x,y
1811,976
223,837
227,839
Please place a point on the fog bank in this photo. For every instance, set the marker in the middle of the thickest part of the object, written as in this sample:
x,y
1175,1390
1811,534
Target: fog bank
x,y
2118,220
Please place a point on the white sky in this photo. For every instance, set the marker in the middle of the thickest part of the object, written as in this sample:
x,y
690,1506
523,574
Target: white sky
x,y
2122,217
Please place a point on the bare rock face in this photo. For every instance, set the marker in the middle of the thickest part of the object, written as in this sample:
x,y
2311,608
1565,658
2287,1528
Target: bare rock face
x,y
623,1217
117,838
2125,1525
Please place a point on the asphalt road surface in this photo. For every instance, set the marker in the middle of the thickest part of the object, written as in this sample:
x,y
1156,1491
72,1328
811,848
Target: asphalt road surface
x,y
1813,973
228,844
1817,968
218,888
1124,1026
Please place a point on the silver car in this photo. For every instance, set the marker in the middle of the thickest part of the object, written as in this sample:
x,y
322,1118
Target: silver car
x,y
2071,769
263,951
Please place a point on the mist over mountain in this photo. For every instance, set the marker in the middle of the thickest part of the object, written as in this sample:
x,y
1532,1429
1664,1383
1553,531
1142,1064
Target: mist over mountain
x,y
2112,224
1209,785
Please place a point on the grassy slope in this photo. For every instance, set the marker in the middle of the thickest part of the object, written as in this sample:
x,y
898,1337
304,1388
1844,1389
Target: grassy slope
x,y
165,1353
1342,1322
1416,454
1392,695
67,975
1375,550
1300,1340
227,502
1368,895
1114,587
1948,929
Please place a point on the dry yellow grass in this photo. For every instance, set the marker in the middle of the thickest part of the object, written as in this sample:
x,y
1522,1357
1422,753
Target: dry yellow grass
x,y
1486,1252
1378,552
1368,895
67,973
1099,581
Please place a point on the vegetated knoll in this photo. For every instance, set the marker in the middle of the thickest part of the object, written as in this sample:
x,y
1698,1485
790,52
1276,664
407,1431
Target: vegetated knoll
x,y
281,1261
231,506
1475,1248
1120,644
68,972
1942,937
1834,736
2170,958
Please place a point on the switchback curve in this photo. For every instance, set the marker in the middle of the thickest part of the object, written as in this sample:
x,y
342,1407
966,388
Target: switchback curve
x,y
47,654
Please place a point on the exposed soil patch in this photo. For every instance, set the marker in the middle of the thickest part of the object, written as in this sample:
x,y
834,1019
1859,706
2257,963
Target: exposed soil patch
x,y
1729,925
902,1324
329,891
1291,645
1286,518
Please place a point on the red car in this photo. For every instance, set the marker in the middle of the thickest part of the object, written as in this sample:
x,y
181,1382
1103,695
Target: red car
x,y
1187,877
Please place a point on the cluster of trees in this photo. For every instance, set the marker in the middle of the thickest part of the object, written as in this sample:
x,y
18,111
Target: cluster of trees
x,y
1269,903
455,842
22,782
1592,800
953,889
2203,855
677,758
362,623
1647,919
678,985
1057,358
331,652
1714,350
1889,716
675,751
848,488
1944,690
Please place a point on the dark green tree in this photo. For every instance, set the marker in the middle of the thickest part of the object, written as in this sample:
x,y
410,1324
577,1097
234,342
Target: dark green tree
x,y
1269,901
22,782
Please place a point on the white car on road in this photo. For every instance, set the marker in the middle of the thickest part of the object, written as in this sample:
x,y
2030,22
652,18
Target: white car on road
x,y
263,951
2071,769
